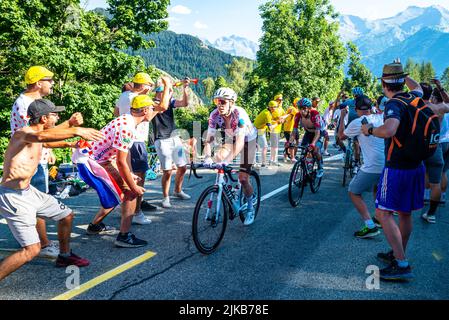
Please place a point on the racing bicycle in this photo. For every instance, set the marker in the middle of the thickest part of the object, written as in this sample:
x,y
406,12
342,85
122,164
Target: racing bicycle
x,y
219,202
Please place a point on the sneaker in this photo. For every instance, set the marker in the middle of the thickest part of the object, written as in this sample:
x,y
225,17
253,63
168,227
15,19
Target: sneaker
x,y
326,154
395,273
147,206
377,223
320,173
430,218
100,229
129,240
250,215
166,203
366,232
72,260
387,258
182,195
51,251
140,218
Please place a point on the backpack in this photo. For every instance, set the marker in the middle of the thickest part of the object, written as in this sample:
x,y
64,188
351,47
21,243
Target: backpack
x,y
422,140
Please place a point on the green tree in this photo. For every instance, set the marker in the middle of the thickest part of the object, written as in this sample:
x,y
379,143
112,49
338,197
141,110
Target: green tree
x,y
445,79
238,73
421,72
209,87
300,53
359,74
220,82
79,47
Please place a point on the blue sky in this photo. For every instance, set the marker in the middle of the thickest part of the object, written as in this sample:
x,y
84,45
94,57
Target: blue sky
x,y
212,19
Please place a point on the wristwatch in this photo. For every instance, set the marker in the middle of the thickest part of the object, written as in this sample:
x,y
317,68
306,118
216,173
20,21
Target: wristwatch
x,y
370,131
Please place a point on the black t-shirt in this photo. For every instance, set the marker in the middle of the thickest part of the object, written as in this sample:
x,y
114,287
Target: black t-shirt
x,y
164,123
397,110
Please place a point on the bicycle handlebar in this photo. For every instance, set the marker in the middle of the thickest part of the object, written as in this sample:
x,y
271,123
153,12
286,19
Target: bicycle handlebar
x,y
213,166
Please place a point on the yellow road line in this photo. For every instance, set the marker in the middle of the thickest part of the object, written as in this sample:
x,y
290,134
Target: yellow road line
x,y
105,277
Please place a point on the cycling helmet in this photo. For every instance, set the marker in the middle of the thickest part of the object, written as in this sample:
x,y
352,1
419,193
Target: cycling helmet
x,y
304,103
278,97
357,92
225,93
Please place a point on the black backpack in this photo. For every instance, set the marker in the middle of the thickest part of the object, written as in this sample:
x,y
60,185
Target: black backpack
x,y
422,140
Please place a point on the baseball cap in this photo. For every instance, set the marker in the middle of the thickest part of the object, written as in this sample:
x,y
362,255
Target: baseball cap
x,y
272,104
36,73
142,101
278,97
142,78
42,107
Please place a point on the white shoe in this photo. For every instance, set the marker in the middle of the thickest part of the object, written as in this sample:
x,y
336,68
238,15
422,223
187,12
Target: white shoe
x,y
250,215
50,251
140,218
166,203
182,195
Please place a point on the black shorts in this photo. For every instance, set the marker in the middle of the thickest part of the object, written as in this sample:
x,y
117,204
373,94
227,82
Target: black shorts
x,y
308,138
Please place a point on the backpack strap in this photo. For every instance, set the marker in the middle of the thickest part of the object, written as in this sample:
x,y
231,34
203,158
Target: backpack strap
x,y
429,121
394,142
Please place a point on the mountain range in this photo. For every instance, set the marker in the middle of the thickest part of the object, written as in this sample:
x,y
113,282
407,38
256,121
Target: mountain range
x,y
236,46
418,33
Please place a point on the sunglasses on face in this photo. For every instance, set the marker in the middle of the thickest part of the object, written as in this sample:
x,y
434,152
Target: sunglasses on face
x,y
220,102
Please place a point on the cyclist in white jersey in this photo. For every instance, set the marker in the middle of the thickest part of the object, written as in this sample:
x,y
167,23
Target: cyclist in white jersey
x,y
240,138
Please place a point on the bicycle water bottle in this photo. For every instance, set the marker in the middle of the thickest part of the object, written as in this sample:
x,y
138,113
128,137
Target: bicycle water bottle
x,y
309,162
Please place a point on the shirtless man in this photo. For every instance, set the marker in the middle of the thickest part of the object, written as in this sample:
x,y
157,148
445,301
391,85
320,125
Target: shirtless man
x,y
21,203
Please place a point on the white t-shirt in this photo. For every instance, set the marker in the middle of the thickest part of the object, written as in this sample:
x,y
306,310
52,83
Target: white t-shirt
x,y
19,119
373,148
124,104
119,136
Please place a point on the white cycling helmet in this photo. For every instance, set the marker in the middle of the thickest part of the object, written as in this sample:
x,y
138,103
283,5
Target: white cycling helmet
x,y
225,93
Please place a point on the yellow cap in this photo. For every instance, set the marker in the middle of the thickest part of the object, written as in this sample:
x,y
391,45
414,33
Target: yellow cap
x,y
295,102
272,104
142,78
278,97
142,101
36,73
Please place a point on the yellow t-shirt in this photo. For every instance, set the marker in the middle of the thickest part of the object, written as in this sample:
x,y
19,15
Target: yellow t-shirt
x,y
290,121
277,114
261,121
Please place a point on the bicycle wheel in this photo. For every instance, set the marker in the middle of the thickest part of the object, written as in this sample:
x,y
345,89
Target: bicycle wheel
x,y
255,182
315,182
347,167
208,225
296,185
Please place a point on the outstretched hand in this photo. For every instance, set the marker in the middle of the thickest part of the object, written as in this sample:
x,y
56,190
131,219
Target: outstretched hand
x,y
90,134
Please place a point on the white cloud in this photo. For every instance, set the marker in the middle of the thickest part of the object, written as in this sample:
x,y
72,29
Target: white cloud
x,y
200,25
181,10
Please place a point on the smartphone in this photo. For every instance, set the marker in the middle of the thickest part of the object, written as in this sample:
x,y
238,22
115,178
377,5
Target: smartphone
x,y
364,121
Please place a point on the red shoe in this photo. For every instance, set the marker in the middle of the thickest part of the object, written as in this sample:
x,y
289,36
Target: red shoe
x,y
72,260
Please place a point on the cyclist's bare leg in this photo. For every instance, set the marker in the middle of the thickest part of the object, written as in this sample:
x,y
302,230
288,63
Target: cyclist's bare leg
x,y
246,184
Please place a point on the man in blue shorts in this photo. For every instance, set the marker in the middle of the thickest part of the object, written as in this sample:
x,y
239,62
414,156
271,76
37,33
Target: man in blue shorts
x,y
401,186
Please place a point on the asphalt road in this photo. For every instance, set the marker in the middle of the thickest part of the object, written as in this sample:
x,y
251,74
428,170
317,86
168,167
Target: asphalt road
x,y
289,253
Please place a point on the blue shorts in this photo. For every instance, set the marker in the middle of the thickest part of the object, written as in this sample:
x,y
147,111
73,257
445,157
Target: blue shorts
x,y
401,190
40,178
139,157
